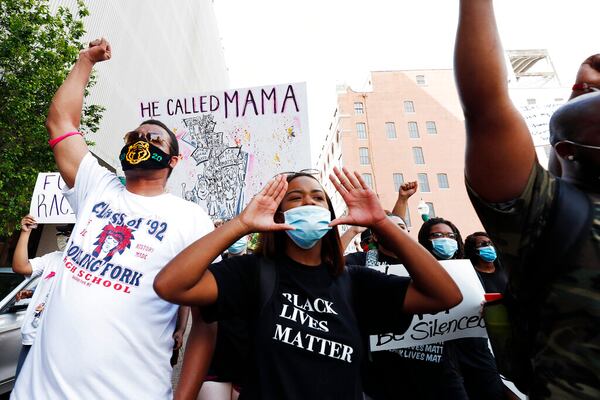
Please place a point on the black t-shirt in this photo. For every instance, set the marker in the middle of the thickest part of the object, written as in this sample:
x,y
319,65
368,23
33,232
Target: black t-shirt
x,y
470,365
307,343
230,358
494,282
358,258
419,367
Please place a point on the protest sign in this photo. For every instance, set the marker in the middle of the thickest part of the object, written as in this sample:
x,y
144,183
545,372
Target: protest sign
x,y
537,117
233,142
460,321
48,205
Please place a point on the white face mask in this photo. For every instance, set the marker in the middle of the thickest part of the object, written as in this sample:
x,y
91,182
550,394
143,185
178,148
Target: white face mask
x,y
61,242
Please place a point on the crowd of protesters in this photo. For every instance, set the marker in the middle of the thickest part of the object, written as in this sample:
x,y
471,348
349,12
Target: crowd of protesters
x,y
290,318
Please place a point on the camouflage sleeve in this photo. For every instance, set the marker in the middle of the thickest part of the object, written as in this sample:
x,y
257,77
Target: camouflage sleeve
x,y
514,226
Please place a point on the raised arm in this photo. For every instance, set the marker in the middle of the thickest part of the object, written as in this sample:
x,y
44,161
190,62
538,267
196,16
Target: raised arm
x,y
351,232
500,152
431,289
185,279
20,262
64,114
406,191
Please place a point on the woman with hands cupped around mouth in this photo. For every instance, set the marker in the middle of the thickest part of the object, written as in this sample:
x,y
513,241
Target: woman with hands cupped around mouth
x,y
309,315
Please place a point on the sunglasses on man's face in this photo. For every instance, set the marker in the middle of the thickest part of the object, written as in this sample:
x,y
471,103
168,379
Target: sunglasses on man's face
x,y
156,139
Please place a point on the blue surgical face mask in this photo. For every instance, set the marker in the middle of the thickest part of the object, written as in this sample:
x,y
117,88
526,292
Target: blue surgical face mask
x,y
444,248
487,253
238,246
311,223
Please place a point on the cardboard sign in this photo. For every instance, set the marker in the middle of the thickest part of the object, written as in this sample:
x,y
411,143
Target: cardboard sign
x,y
48,205
460,321
233,142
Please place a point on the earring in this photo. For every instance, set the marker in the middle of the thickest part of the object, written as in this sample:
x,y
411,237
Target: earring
x,y
571,157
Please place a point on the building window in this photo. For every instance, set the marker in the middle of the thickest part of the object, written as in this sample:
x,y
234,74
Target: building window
x,y
443,181
409,107
431,127
361,130
423,182
358,108
531,102
390,130
413,130
431,210
368,180
363,155
398,181
421,80
418,155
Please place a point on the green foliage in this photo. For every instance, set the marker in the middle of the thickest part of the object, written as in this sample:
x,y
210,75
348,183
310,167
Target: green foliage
x,y
37,49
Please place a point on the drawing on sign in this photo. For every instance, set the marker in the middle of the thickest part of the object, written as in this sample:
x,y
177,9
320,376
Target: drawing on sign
x,y
221,168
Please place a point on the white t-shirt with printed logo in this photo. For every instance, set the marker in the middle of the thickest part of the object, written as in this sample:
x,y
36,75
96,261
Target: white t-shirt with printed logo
x,y
106,333
45,267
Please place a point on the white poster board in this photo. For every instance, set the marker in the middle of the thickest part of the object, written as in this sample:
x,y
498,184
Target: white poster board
x,y
233,142
48,205
463,320
537,117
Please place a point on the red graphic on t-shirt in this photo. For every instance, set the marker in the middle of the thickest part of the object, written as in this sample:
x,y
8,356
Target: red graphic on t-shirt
x,y
111,240
50,275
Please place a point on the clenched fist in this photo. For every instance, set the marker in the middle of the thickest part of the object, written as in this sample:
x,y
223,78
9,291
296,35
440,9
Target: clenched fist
x,y
98,50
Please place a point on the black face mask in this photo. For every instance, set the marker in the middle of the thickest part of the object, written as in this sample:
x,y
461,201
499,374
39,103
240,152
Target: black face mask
x,y
143,155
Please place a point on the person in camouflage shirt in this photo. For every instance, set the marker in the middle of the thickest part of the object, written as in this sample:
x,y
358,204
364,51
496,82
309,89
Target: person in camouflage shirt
x,y
514,198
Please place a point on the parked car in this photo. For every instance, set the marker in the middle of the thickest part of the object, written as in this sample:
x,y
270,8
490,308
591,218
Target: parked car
x,y
12,313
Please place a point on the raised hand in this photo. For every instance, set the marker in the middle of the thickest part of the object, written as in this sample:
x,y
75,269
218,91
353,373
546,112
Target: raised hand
x,y
28,223
408,189
258,214
364,208
98,50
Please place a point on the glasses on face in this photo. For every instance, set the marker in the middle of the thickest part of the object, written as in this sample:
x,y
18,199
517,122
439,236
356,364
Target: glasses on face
x,y
439,235
485,243
156,139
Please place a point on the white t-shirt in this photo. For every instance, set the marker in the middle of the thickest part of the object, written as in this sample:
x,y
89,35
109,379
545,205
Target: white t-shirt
x,y
46,267
106,333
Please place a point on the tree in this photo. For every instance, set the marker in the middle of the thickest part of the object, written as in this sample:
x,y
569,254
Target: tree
x,y
37,49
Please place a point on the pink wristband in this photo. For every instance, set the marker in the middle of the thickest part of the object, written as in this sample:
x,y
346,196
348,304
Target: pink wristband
x,y
55,141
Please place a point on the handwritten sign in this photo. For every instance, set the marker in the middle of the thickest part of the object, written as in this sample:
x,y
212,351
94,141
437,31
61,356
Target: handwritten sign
x,y
460,321
233,142
537,117
48,205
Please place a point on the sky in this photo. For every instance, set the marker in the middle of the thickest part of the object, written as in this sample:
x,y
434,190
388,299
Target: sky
x,y
330,42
